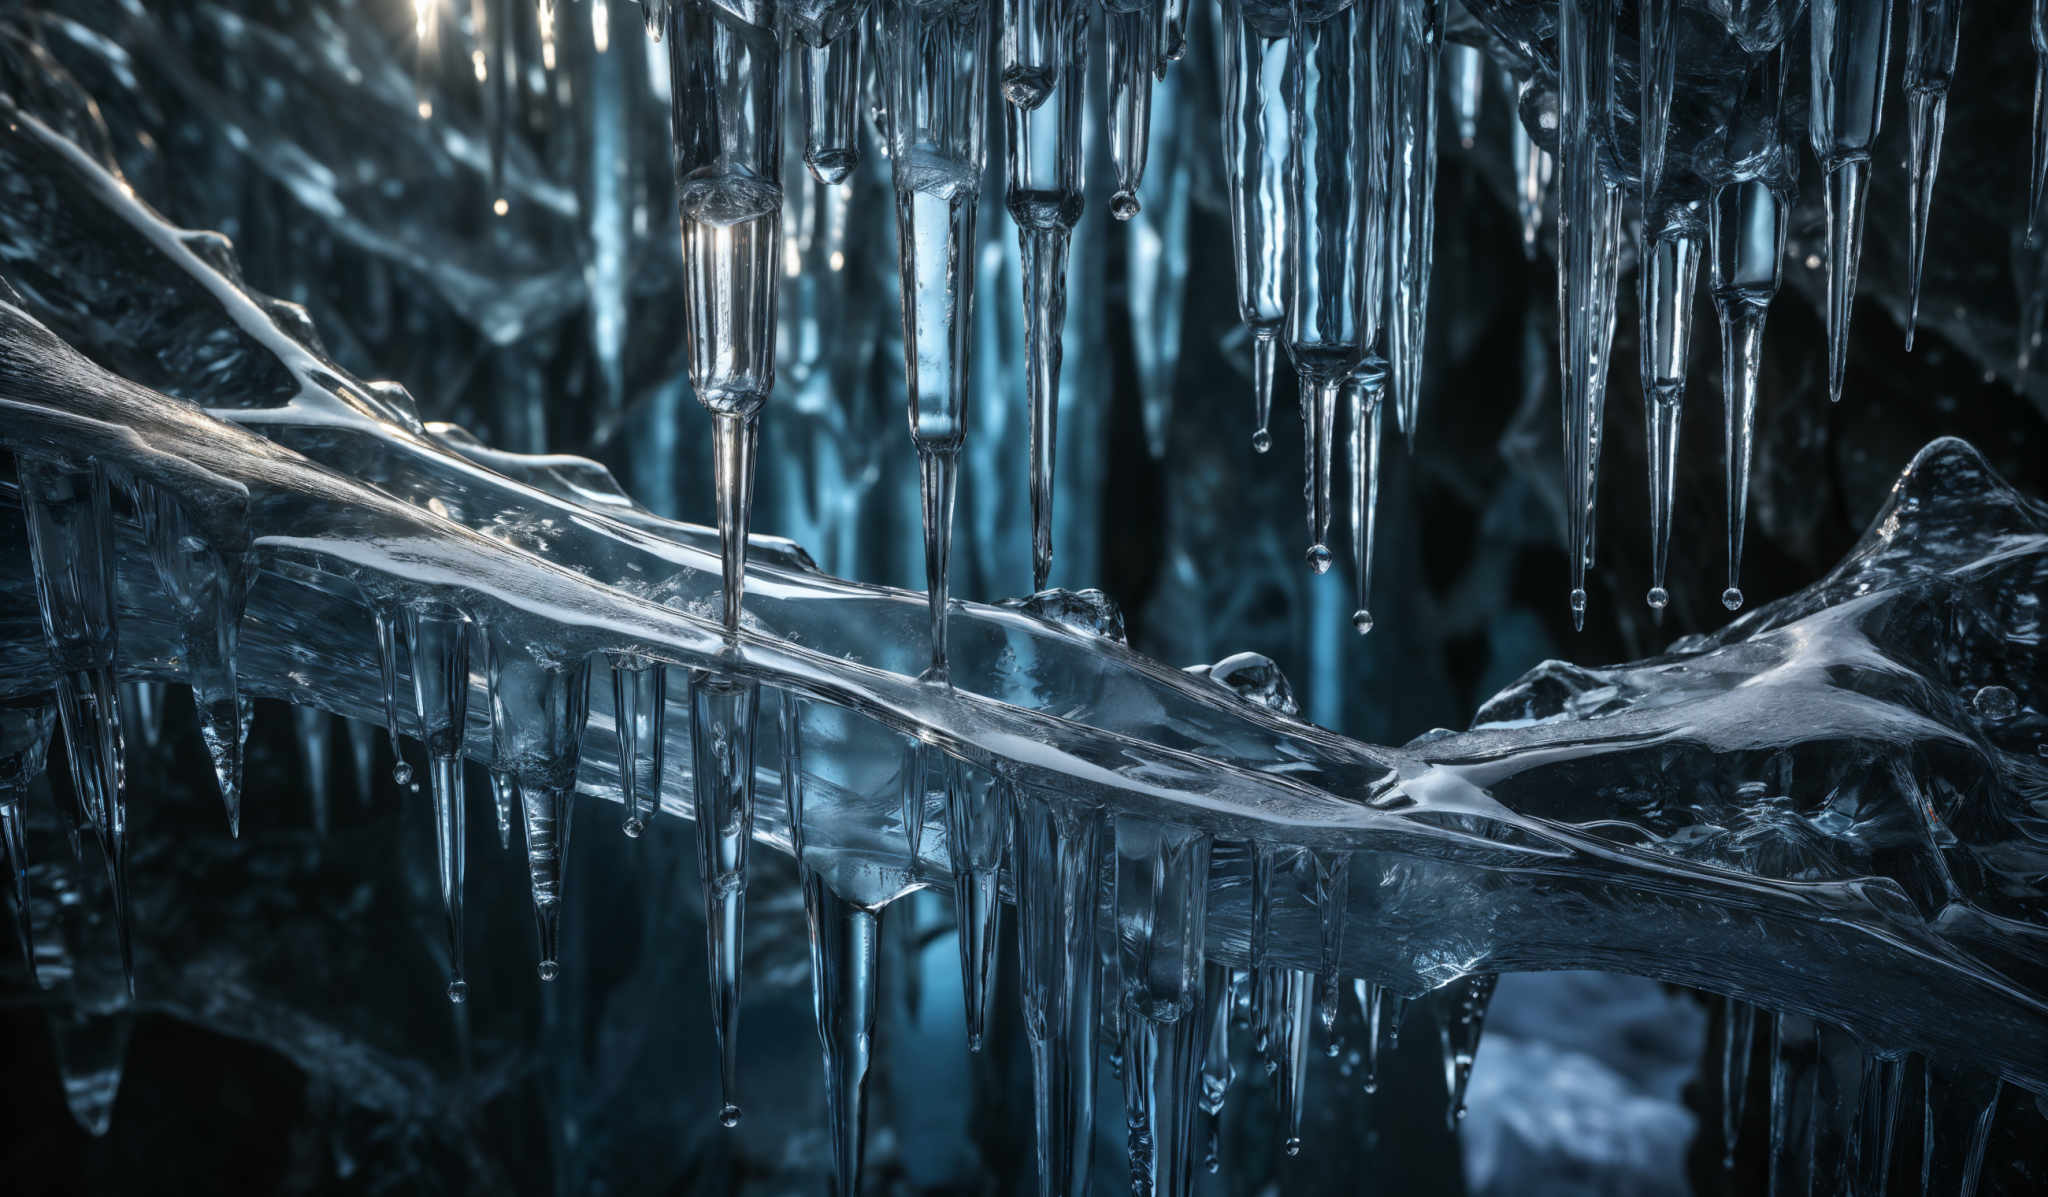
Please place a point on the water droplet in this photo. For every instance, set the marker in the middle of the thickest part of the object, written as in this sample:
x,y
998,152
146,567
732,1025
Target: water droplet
x,y
1995,703
1658,598
458,992
1293,1147
1319,558
1123,205
548,969
501,206
402,773
729,1116
1262,441
1579,601
633,827
1361,619
1731,598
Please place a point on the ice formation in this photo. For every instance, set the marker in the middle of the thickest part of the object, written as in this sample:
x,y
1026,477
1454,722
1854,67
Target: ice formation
x,y
1824,811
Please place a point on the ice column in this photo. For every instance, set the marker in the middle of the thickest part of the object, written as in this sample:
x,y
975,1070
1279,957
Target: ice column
x,y
1931,37
1253,55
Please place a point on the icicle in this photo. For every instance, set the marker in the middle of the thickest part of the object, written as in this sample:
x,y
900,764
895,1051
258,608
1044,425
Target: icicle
x,y
1837,1112
1747,229
1173,34
722,711
1253,61
437,636
725,76
1877,1122
1044,58
538,708
937,63
978,824
831,44
92,1054
71,546
1932,34
1219,1002
1533,168
1588,224
24,749
1658,70
387,667
310,727
208,586
844,936
1328,203
1367,389
1956,1116
144,703
1133,35
1372,1001
1668,269
639,713
1738,1034
1410,91
1162,881
2037,177
1463,1020
1466,78
1288,1034
1330,890
362,751
1056,870
1851,41
1795,1065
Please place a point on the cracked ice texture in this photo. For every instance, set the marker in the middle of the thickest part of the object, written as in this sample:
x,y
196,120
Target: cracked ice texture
x,y
1823,808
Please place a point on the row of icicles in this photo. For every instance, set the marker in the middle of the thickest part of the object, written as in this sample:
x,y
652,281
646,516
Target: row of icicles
x,y
1329,143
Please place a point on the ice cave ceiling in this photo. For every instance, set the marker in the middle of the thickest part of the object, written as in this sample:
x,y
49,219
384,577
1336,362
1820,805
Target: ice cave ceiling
x,y
220,222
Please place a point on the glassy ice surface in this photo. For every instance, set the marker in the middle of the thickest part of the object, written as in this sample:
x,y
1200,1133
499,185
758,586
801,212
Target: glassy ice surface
x,y
1820,812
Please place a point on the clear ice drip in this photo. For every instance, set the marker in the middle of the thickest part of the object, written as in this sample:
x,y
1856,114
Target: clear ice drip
x,y
1252,57
387,619
1057,870
1851,42
1666,276
722,714
1408,89
24,749
1367,392
312,729
1795,1097
1329,80
1738,1038
978,822
1044,81
1219,1003
725,80
2037,175
1533,169
1464,1019
438,636
1657,69
1162,883
1933,29
936,59
71,547
538,707
209,586
640,717
1746,226
1132,31
1588,240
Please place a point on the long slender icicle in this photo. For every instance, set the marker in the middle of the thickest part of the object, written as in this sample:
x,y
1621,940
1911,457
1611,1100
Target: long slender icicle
x,y
722,711
1463,1022
538,708
1057,871
71,547
387,667
362,755
1367,394
1292,995
1658,71
1533,169
725,78
24,750
978,824
1666,275
1851,42
1415,56
1932,34
1877,1118
144,703
639,711
936,59
1956,1115
208,586
1162,881
1738,1035
1330,890
438,635
1132,31
1253,60
1588,231
1044,74
1372,1002
2037,176
310,726
1329,81
1795,1067
1747,227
